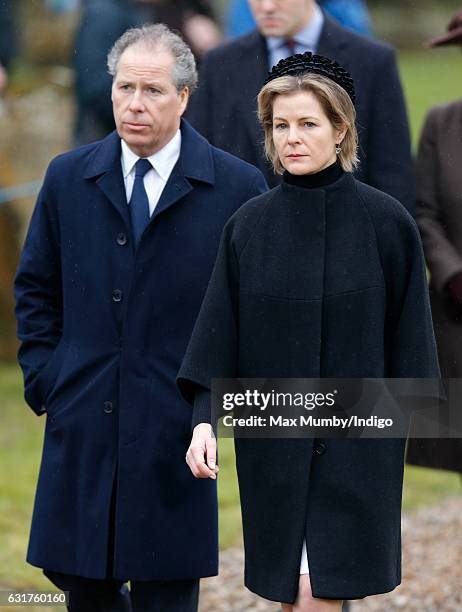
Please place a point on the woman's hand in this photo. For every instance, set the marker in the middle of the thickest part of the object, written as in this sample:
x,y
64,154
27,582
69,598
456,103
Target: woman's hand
x,y
202,452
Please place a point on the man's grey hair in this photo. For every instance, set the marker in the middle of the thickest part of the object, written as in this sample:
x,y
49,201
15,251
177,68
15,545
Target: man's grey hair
x,y
154,37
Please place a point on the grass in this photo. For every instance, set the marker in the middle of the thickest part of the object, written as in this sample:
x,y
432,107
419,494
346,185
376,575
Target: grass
x,y
20,444
429,77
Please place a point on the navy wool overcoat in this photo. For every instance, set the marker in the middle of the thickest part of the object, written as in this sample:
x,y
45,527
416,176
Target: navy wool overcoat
x,y
103,328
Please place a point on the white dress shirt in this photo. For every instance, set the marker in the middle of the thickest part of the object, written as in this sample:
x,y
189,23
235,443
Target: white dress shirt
x,y
155,180
305,40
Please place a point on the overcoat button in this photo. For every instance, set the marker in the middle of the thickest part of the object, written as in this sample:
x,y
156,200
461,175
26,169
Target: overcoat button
x,y
122,239
108,407
320,448
117,295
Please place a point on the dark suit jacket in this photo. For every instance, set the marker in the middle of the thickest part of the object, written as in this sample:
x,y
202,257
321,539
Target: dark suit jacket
x,y
224,107
103,329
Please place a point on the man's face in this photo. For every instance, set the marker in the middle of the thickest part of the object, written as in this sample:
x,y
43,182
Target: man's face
x,y
147,106
281,17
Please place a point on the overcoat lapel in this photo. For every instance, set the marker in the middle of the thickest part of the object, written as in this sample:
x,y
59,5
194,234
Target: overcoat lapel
x,y
176,188
254,69
112,185
195,162
106,169
332,43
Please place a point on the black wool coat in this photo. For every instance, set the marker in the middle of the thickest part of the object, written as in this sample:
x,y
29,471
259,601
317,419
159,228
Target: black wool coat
x,y
327,282
103,329
224,107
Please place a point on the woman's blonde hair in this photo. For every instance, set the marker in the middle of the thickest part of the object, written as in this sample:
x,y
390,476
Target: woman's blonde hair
x,y
335,101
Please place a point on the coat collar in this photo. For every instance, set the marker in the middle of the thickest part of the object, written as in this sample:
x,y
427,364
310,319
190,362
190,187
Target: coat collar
x,y
195,156
104,166
195,162
333,41
253,68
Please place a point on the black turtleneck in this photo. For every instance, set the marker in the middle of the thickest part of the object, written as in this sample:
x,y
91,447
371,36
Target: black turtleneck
x,y
317,180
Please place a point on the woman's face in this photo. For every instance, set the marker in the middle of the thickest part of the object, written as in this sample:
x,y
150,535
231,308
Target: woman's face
x,y
303,136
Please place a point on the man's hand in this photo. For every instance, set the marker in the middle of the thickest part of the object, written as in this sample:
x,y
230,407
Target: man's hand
x,y
202,452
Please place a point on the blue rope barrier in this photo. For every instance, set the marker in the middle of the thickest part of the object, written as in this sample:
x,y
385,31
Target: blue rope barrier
x,y
26,190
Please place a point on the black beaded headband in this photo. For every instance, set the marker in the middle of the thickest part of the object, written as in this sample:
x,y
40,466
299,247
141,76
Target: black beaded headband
x,y
309,62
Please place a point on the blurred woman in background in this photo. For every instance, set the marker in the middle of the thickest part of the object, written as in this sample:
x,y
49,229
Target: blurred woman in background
x,y
439,217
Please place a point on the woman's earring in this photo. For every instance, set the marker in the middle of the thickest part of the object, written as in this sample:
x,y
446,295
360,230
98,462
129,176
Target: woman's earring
x,y
338,149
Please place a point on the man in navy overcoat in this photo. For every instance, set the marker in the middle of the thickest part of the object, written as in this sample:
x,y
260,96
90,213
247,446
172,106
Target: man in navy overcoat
x,y
116,261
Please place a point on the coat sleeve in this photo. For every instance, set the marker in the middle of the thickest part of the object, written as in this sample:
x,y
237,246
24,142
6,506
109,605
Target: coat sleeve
x,y
410,337
213,347
442,257
38,292
389,164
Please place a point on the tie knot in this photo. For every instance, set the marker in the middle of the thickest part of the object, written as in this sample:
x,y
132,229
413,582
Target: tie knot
x,y
142,166
290,45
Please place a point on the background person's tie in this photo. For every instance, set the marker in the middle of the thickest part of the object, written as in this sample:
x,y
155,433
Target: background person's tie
x,y
290,45
139,203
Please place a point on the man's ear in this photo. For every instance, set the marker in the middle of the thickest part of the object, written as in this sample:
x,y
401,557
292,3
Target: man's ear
x,y
112,90
184,98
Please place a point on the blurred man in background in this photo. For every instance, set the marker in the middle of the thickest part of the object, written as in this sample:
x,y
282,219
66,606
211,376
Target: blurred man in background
x,y
352,14
233,74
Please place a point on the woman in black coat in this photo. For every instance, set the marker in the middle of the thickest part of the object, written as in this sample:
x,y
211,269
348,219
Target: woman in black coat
x,y
322,276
